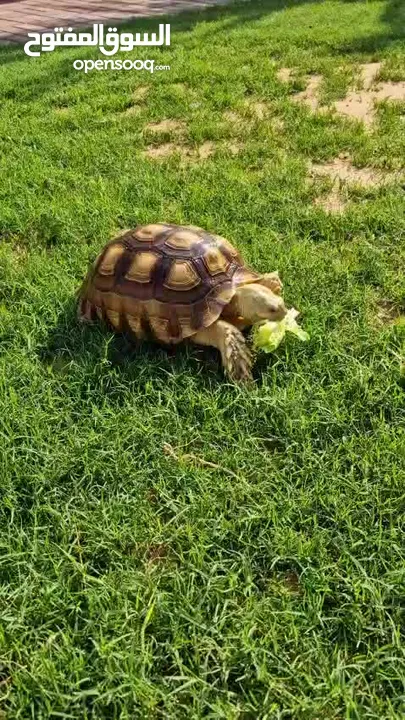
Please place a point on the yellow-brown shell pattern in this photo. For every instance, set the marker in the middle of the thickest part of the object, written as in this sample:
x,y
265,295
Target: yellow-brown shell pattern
x,y
163,281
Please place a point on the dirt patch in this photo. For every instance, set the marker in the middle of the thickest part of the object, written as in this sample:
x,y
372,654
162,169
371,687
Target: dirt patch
x,y
390,313
206,150
166,126
357,105
234,148
20,252
233,117
343,173
284,74
138,96
361,104
252,111
180,87
369,72
184,92
278,124
63,111
390,91
260,109
140,92
134,110
160,152
342,170
333,202
309,96
257,108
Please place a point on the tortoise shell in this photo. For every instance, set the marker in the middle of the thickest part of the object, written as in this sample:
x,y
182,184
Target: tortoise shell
x,y
163,281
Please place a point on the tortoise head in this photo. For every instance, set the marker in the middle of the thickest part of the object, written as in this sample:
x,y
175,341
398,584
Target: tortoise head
x,y
255,302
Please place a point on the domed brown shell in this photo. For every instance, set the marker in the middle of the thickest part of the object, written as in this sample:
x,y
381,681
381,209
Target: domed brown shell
x,y
163,281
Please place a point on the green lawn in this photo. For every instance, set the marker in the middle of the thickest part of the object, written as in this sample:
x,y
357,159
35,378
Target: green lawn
x,y
139,583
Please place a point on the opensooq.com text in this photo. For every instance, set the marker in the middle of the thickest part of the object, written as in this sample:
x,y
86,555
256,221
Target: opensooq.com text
x,y
89,65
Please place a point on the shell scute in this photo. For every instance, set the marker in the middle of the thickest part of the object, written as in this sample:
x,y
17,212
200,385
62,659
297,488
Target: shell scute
x,y
159,327
228,249
114,318
148,233
134,323
182,239
215,261
182,276
110,259
142,266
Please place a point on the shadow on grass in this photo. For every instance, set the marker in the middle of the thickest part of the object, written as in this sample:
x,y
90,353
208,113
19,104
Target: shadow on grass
x,y
393,17
235,15
94,348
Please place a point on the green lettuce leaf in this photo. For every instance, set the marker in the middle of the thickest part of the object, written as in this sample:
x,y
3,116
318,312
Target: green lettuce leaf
x,y
268,335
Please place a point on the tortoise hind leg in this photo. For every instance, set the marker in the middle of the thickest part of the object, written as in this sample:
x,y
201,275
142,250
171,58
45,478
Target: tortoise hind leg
x,y
236,358
272,281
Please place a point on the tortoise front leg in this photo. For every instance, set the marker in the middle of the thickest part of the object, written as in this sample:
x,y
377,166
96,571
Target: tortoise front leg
x,y
272,281
236,358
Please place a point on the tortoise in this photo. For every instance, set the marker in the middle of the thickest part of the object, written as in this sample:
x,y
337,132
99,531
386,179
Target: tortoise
x,y
171,283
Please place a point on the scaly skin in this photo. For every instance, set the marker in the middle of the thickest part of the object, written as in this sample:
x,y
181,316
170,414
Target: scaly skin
x,y
273,282
236,357
250,304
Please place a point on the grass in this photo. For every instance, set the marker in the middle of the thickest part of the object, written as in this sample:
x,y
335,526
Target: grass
x,y
140,584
